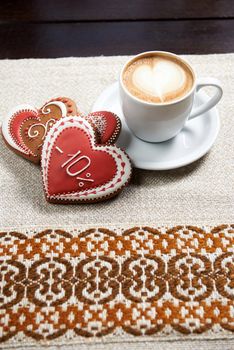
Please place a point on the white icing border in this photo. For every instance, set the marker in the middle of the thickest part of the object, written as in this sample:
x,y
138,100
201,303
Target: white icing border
x,y
59,104
81,123
6,125
101,114
21,108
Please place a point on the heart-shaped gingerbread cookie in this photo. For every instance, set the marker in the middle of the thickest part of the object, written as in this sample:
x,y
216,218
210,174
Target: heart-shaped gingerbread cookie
x,y
107,124
76,169
25,128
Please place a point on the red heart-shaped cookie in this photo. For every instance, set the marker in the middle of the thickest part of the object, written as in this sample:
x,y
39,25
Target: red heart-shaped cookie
x,y
107,124
76,169
25,128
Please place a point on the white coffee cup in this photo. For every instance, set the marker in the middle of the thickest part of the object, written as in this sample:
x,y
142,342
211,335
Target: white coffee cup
x,y
157,122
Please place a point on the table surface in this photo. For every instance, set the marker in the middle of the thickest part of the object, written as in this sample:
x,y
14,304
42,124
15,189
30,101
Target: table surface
x,y
60,28
198,194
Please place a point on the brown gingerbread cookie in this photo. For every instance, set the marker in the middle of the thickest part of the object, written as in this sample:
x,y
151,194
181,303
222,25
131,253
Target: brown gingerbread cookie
x,y
107,124
25,128
76,169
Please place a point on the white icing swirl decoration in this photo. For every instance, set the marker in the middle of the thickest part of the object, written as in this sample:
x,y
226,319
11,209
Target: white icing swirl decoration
x,y
33,131
61,105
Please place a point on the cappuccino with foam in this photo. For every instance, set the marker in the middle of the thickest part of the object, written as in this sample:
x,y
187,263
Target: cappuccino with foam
x,y
158,78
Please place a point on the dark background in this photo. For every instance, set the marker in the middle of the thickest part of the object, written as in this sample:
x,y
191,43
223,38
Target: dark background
x,y
58,28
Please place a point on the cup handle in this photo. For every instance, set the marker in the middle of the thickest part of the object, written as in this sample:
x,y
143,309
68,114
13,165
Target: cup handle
x,y
202,82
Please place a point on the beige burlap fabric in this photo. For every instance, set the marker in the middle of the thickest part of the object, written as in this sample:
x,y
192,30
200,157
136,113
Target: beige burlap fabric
x,y
199,194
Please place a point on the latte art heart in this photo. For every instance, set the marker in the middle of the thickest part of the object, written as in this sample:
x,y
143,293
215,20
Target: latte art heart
x,y
160,78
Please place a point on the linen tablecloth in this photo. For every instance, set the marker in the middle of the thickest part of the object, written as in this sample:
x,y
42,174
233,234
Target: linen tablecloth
x,y
166,226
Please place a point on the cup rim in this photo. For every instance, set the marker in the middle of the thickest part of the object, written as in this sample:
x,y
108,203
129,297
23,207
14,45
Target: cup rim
x,y
158,103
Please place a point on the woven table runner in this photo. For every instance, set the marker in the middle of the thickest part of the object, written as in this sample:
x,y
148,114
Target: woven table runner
x,y
153,267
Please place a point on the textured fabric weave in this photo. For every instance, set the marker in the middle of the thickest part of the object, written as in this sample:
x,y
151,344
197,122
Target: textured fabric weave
x,y
199,193
116,284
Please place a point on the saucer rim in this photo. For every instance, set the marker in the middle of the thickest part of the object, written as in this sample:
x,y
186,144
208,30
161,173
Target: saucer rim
x,y
169,165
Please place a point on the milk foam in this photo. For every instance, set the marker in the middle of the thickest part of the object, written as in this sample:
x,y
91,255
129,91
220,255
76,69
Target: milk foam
x,y
159,78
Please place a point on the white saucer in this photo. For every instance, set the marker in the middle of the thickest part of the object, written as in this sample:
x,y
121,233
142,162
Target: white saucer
x,y
190,144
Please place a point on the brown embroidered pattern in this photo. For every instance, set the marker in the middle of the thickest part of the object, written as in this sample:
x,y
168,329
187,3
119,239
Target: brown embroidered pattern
x,y
141,281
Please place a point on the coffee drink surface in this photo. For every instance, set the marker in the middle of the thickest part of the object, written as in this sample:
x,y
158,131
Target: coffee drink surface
x,y
158,78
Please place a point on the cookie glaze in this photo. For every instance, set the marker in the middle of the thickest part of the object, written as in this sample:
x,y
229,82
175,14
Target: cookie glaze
x,y
25,127
76,169
107,124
